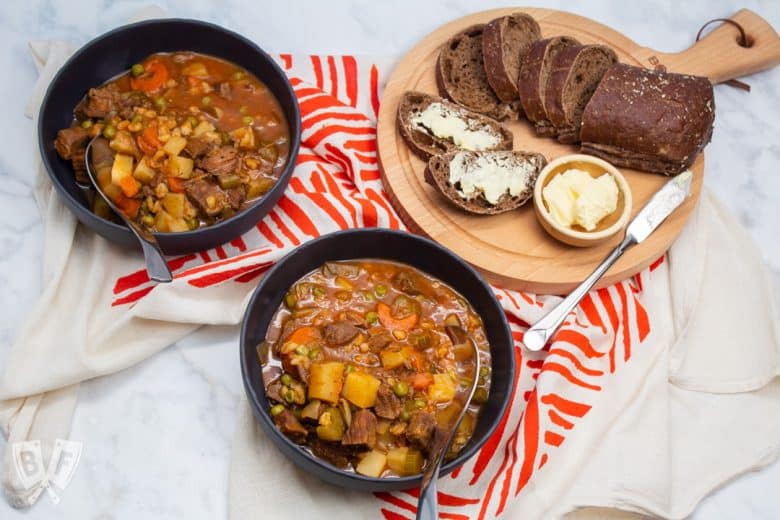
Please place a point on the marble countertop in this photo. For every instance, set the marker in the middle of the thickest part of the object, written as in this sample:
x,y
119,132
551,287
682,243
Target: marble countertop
x,y
157,436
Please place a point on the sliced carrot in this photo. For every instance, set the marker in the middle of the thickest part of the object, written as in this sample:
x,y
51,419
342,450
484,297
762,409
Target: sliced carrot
x,y
388,321
422,381
175,184
148,141
129,206
154,77
129,186
304,335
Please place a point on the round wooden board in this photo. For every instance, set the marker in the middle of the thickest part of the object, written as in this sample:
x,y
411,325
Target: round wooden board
x,y
512,250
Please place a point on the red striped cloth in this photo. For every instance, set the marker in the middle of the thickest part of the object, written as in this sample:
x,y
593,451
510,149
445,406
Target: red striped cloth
x,y
336,185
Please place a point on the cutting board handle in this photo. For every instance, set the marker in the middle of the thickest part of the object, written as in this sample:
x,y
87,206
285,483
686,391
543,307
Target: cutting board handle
x,y
719,56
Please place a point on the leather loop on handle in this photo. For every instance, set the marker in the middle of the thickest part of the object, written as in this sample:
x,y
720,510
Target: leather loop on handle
x,y
719,55
743,41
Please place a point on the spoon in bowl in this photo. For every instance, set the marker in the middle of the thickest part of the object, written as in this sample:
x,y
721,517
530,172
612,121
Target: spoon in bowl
x,y
156,265
427,503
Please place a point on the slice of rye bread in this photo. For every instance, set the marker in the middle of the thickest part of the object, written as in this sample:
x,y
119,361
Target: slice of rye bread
x,y
423,143
437,174
574,75
505,43
648,120
533,80
460,76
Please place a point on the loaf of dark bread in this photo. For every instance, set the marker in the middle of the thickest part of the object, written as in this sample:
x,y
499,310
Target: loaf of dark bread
x,y
424,143
437,174
460,76
648,120
574,75
505,43
533,80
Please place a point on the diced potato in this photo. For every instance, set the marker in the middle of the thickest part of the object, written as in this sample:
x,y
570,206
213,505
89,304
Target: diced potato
x,y
443,388
162,222
202,128
178,166
122,168
244,136
113,191
196,68
372,464
325,381
122,143
259,186
178,224
174,204
396,460
360,389
391,359
175,145
143,172
332,426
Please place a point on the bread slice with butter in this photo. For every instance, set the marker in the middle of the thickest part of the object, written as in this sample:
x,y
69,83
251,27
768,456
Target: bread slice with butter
x,y
431,126
485,183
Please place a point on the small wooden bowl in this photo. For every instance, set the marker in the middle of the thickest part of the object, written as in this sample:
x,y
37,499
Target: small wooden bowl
x,y
609,225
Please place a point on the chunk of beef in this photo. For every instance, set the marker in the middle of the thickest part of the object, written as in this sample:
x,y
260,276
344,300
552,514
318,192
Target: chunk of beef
x,y
339,333
406,283
421,428
329,451
270,373
71,141
220,161
290,426
235,197
273,391
379,341
297,365
79,162
99,102
206,196
225,90
387,404
198,147
362,430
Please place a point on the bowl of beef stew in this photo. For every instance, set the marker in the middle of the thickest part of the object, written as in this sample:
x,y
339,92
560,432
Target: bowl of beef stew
x,y
201,125
357,346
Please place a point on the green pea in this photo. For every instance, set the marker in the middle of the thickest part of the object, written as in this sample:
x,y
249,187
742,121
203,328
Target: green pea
x,y
248,120
289,396
193,121
286,379
290,300
480,396
401,388
109,131
405,415
237,75
371,317
192,223
147,220
160,102
313,353
302,350
380,290
87,123
137,69
243,109
277,409
206,100
419,403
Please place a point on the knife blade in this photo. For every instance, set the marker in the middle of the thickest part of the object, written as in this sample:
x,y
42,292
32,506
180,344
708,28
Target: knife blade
x,y
660,206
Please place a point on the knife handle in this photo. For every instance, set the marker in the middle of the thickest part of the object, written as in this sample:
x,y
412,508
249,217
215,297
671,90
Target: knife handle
x,y
535,338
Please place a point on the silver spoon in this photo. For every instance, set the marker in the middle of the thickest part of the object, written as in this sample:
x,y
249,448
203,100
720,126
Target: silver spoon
x,y
663,203
156,265
427,504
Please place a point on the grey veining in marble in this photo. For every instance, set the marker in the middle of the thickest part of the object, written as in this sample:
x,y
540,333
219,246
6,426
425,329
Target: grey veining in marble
x,y
157,436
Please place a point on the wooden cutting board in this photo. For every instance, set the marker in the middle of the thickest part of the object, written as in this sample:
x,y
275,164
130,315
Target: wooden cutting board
x,y
511,249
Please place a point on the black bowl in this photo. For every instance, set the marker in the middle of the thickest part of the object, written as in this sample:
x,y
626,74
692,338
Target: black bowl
x,y
426,256
115,52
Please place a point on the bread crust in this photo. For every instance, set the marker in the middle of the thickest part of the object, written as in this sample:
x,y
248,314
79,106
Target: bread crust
x,y
649,120
505,43
423,144
533,79
466,83
437,175
566,68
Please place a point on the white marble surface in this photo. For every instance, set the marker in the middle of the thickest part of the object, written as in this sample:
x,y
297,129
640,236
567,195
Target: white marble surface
x,y
157,436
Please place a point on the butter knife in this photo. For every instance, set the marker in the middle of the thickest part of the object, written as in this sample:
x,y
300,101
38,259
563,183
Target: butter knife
x,y
660,206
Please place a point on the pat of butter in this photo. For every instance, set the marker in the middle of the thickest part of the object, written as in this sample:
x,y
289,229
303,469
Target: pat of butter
x,y
492,176
445,123
575,198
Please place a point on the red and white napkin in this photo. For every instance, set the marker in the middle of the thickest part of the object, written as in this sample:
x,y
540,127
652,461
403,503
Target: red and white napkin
x,y
626,407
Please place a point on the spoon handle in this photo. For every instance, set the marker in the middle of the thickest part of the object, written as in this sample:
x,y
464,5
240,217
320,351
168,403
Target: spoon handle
x,y
156,266
536,337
